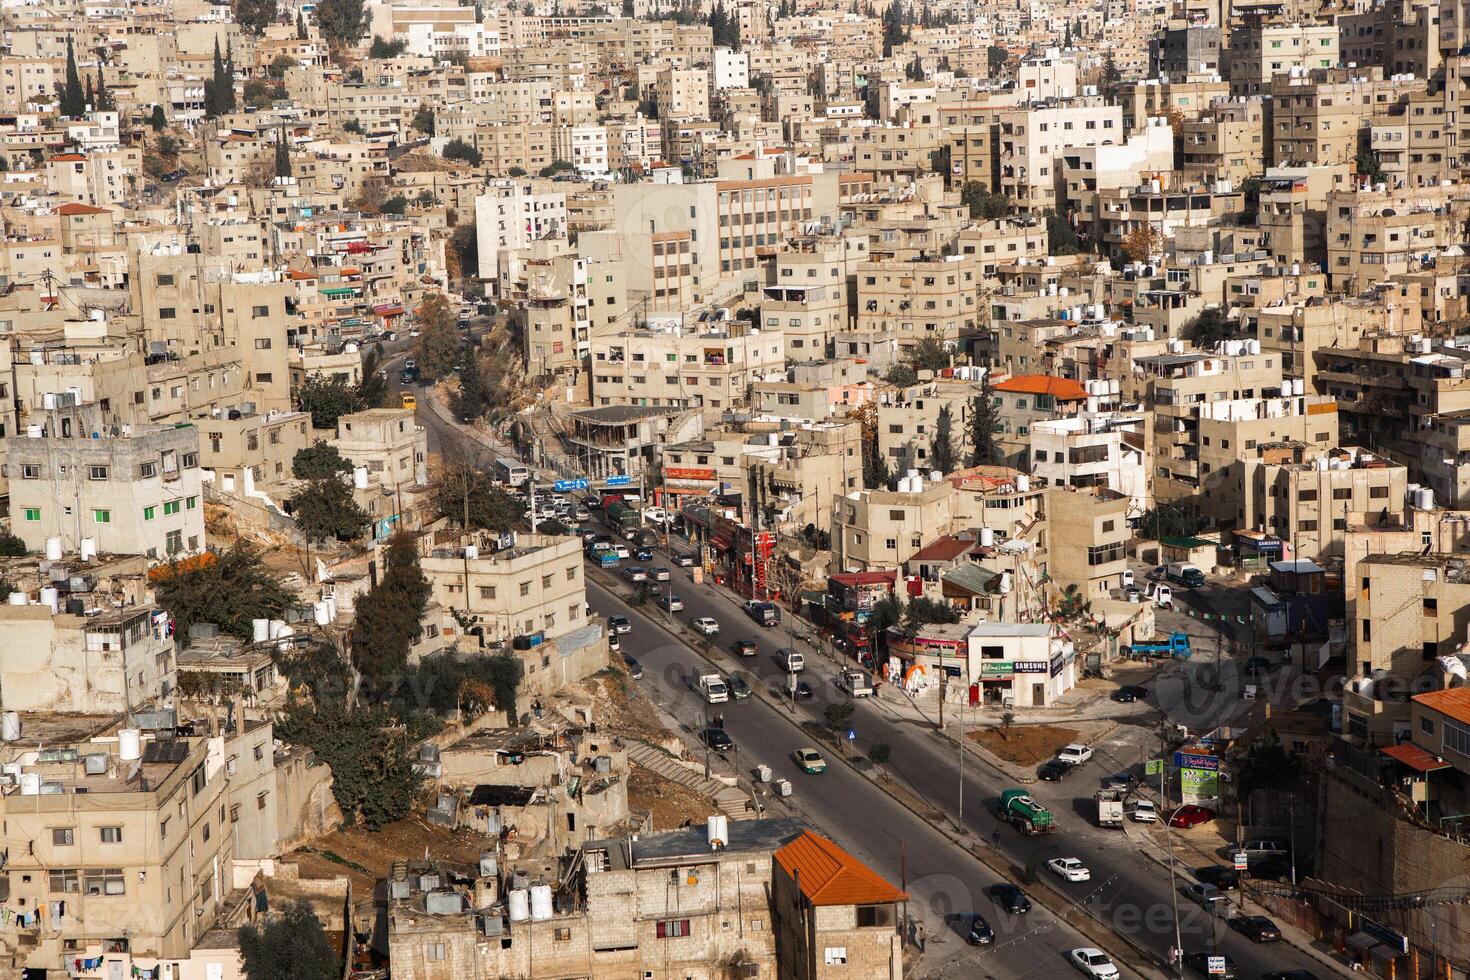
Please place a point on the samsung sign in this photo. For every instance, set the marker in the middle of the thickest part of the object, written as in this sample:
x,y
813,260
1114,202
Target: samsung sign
x,y
1031,666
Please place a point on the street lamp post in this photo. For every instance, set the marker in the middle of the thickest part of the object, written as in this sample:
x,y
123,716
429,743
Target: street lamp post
x,y
1169,842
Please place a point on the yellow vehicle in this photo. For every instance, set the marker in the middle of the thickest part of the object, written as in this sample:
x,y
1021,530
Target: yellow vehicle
x,y
408,400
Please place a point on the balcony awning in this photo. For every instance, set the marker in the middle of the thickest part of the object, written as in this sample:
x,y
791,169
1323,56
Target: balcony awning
x,y
339,290
388,309
1411,755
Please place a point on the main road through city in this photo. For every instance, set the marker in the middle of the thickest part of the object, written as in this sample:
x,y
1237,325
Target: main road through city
x,y
1129,892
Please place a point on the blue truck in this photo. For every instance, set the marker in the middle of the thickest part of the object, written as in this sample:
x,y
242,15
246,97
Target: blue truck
x,y
1176,645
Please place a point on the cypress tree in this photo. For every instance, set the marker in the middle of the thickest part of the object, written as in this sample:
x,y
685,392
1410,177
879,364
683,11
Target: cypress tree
x,y
300,26
104,101
283,157
73,98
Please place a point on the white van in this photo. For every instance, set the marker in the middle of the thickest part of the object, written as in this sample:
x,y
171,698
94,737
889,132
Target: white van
x,y
792,660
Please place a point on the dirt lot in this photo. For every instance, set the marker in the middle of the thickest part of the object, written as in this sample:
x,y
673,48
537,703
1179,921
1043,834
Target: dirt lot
x,y
365,856
1025,745
614,710
672,805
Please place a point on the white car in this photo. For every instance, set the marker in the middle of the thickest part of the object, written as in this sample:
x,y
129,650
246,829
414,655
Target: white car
x,y
1070,869
1144,811
1093,962
1076,753
656,515
706,625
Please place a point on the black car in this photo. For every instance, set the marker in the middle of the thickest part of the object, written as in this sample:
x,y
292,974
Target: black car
x,y
717,739
1218,875
684,561
1129,693
744,648
1054,770
1256,928
1271,867
978,931
1200,963
1009,897
635,669
803,690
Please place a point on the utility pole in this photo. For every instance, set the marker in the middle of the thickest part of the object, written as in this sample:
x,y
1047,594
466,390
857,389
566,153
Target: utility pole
x,y
962,742
1178,954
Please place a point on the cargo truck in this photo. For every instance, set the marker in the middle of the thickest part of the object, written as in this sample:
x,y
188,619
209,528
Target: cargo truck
x,y
764,613
713,688
1018,809
1109,807
1176,646
1185,574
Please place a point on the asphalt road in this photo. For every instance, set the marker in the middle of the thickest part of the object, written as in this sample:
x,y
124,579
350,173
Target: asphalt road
x,y
1129,892
941,877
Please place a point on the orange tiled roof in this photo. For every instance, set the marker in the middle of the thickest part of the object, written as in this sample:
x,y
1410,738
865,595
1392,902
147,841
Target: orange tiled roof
x,y
831,876
1453,702
70,209
1064,389
68,158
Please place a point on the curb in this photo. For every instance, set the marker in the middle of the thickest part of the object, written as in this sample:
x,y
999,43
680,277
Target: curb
x,y
1142,961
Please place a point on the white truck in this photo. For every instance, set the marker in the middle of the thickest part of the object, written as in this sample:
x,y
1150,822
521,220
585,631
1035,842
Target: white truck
x,y
856,683
713,688
1109,807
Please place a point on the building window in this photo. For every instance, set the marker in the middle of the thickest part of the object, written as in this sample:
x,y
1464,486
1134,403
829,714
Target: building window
x,y
110,835
1378,493
525,588
96,472
487,592
434,952
33,514
835,955
149,513
62,837
672,928
104,881
173,542
30,471
64,881
260,799
563,934
191,502
170,507
1431,607
102,516
166,313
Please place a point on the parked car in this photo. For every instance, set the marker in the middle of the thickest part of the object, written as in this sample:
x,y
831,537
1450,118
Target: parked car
x,y
1093,962
803,690
1009,897
619,624
1054,770
635,669
660,574
613,643
1218,875
810,761
1206,897
1069,869
1161,595
717,739
1076,753
744,648
685,561
1256,928
739,686
1270,867
1144,811
635,573
672,603
1129,693
1191,815
978,931
644,554
1199,962
706,625
1258,847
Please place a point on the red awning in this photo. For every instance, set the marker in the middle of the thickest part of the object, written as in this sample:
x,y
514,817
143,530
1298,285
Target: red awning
x,y
721,542
1414,757
388,309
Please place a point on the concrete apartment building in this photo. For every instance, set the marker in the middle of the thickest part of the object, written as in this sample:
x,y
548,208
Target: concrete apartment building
x,y
877,529
1317,115
1412,140
1017,665
1024,400
232,443
533,586
1088,531
388,443
1231,432
808,299
1033,140
144,863
511,214
116,660
682,93
1108,449
133,493
907,420
1374,234
1306,500
1226,143
712,369
1260,50
931,297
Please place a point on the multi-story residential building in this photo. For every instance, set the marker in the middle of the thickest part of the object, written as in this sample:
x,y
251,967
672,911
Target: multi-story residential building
x,y
533,586
713,368
875,529
1088,533
1095,449
1225,143
1317,115
1259,50
512,214
808,299
1305,499
1033,140
388,444
933,296
131,493
1026,399
234,443
1374,234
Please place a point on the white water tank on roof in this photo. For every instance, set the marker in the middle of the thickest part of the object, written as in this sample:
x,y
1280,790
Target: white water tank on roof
x,y
471,552
520,905
987,537
1424,498
360,477
129,744
53,549
30,784
89,549
10,726
19,599
260,630
1023,483
540,902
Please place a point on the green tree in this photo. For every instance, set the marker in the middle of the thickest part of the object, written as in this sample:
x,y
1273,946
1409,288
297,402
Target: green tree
x,y
1210,327
922,610
279,65
1061,236
397,204
982,203
838,716
73,96
1168,521
260,93
984,425
437,349
423,120
219,89
914,70
371,758
342,22
289,944
353,126
516,172
157,119
996,57
325,510
327,400
1112,77
383,49
230,591
388,620
556,167
1267,764
372,392
929,354
901,373
1067,35
11,545
941,450
465,494
255,15
319,461
470,403
301,33
879,753
458,149
282,157
102,99
628,10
